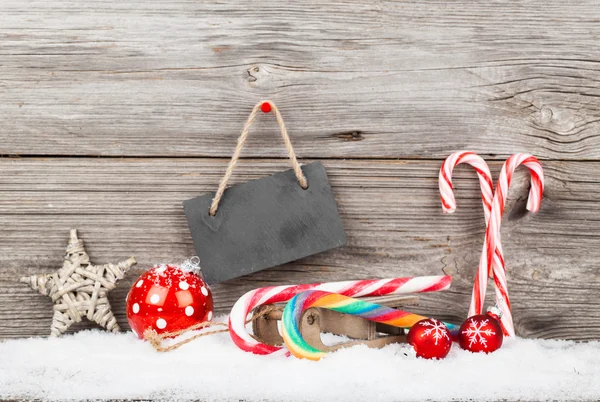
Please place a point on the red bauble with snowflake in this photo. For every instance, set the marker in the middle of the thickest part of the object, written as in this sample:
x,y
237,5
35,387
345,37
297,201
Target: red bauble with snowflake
x,y
168,298
481,333
430,338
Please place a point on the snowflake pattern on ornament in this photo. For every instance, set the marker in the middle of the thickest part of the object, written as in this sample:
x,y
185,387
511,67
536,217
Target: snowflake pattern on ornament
x,y
475,333
437,328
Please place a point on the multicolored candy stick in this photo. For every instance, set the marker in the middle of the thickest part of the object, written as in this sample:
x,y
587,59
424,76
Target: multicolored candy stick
x,y
292,314
358,288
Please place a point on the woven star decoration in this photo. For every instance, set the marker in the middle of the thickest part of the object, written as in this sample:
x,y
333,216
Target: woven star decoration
x,y
79,289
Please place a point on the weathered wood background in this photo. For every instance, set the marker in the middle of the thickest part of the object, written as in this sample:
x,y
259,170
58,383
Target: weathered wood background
x,y
114,112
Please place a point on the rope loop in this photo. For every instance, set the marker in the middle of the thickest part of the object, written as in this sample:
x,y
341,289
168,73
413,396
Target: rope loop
x,y
240,145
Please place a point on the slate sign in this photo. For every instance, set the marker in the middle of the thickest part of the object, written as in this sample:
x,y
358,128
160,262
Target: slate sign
x,y
264,223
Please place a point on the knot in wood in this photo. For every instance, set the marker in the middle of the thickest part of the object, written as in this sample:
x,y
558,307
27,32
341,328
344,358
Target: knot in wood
x,y
546,115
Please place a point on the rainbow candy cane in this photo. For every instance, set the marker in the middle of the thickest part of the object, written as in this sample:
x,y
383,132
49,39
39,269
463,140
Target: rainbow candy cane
x,y
277,294
492,233
487,195
292,314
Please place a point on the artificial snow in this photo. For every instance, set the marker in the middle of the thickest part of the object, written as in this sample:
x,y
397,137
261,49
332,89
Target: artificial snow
x,y
100,365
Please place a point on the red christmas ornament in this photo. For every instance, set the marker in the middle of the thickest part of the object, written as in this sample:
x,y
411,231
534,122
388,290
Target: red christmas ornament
x,y
265,107
430,338
168,298
481,333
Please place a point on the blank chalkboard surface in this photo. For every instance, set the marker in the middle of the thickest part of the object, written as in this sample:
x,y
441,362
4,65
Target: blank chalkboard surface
x,y
264,223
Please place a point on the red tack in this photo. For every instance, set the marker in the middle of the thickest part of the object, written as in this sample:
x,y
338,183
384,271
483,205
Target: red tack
x,y
265,107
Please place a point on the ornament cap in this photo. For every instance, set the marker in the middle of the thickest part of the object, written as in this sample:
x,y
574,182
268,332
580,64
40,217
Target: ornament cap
x,y
192,265
494,312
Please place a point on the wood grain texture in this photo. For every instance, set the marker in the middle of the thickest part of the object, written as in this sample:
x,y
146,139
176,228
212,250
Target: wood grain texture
x,y
376,79
391,211
381,91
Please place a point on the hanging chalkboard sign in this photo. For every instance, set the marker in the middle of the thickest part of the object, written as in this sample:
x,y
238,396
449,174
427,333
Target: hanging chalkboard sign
x,y
266,222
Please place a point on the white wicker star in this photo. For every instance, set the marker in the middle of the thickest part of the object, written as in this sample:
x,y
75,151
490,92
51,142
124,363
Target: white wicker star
x,y
80,289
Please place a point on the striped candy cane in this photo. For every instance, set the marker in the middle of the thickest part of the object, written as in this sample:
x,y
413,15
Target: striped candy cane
x,y
277,294
483,172
487,195
492,234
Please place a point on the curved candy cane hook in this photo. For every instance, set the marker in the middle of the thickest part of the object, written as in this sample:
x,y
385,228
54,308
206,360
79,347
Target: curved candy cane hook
x,y
492,234
449,206
483,172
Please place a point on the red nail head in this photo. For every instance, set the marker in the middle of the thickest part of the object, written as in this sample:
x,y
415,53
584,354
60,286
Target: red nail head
x,y
265,107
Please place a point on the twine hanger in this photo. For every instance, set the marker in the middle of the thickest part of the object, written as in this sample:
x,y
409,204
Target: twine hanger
x,y
156,339
266,107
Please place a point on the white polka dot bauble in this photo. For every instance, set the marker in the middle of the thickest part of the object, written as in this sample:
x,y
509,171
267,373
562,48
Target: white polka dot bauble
x,y
168,299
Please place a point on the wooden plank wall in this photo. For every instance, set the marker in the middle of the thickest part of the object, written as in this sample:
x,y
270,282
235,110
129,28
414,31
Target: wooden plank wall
x,y
114,112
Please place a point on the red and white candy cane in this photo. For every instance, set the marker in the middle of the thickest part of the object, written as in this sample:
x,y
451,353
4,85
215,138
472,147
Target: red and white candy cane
x,y
487,195
483,172
360,288
492,234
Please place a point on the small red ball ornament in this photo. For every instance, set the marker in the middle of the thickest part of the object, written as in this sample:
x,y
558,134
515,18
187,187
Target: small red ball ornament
x,y
430,338
265,107
481,333
168,298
